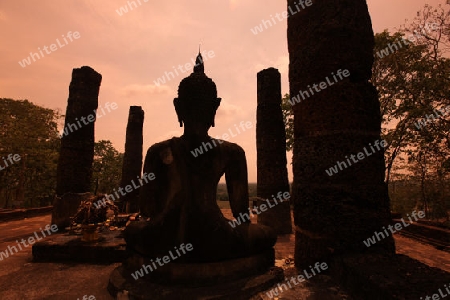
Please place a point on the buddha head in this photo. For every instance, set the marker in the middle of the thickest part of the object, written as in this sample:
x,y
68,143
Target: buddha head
x,y
197,100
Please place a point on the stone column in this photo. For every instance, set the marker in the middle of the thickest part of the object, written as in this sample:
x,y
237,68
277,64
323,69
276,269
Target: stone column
x,y
337,118
271,154
132,159
74,170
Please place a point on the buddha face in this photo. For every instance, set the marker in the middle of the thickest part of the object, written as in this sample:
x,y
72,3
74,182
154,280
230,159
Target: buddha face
x,y
196,111
197,101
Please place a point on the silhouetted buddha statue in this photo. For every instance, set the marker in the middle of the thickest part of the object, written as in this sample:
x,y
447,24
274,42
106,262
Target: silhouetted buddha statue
x,y
181,200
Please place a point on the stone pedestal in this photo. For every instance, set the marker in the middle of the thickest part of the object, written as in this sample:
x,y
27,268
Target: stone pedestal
x,y
231,279
335,213
109,248
272,175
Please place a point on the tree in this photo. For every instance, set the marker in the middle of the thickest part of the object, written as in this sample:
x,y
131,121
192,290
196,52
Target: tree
x,y
107,167
288,118
29,131
401,80
412,78
431,26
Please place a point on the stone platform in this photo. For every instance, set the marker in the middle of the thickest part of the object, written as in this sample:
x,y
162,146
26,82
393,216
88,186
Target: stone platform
x,y
7,215
109,248
242,289
396,277
22,279
432,235
201,274
231,279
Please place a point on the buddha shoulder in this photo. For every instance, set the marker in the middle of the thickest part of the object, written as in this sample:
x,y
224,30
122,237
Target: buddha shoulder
x,y
230,148
161,151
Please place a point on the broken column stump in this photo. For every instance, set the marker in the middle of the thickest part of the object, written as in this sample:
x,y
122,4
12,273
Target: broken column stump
x,y
132,159
272,178
335,213
74,170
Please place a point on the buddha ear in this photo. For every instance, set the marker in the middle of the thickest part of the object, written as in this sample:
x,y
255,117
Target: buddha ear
x,y
212,120
217,102
216,105
177,104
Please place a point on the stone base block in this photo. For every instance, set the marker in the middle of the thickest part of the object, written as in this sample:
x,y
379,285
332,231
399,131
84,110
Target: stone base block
x,y
232,279
109,248
199,274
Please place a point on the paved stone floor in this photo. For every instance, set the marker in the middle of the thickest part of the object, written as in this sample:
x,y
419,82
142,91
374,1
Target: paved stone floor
x,y
22,279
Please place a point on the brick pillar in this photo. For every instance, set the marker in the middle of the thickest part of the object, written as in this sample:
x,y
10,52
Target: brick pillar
x,y
335,214
132,159
74,170
271,154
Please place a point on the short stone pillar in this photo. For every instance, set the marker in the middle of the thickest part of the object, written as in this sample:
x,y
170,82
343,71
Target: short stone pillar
x,y
74,172
337,122
272,177
132,159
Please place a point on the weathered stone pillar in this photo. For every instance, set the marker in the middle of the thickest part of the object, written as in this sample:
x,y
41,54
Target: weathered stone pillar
x,y
74,171
336,118
132,159
271,154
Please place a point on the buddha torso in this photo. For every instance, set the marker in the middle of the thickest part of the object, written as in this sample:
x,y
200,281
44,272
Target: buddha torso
x,y
181,201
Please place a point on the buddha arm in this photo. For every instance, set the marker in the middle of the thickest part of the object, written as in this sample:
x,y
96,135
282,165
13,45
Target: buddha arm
x,y
237,182
149,201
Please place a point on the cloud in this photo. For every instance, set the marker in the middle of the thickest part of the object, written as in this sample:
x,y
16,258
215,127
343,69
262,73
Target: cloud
x,y
2,16
233,4
228,112
95,8
281,63
138,90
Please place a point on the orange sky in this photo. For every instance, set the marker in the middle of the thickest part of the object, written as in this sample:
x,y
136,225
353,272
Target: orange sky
x,y
133,50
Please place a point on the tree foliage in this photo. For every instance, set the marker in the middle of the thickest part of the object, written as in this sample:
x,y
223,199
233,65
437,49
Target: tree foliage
x,y
107,167
31,132
288,118
414,91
